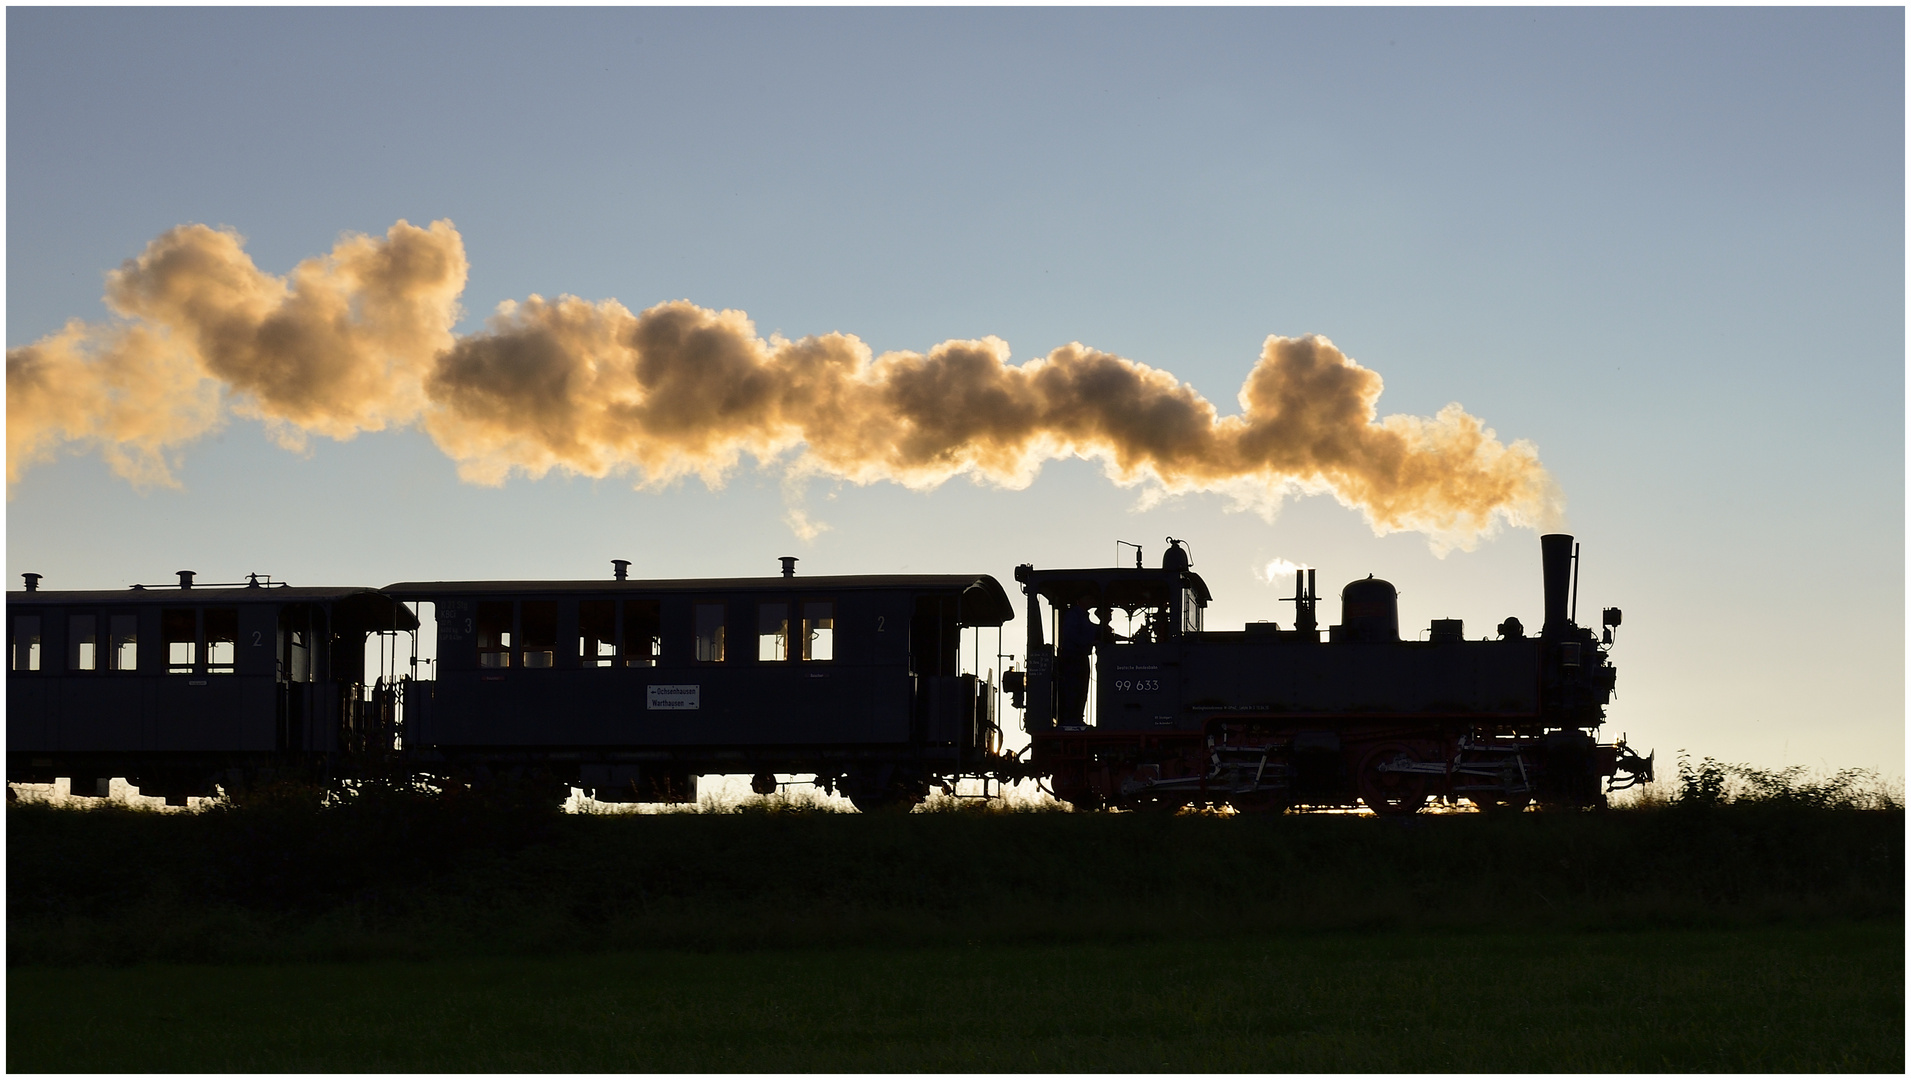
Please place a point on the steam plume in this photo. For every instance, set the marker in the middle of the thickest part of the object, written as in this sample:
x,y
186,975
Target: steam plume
x,y
339,346
1278,568
361,339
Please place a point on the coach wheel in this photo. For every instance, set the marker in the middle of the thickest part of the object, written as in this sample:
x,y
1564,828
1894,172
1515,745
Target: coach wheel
x,y
1391,793
883,788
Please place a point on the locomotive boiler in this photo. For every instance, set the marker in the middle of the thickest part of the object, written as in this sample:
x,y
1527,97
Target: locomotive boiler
x,y
1266,718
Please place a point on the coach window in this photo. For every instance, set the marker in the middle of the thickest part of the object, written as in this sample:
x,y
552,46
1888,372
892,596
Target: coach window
x,y
82,643
773,631
494,633
26,643
222,639
643,633
596,633
179,639
539,626
709,626
819,630
122,648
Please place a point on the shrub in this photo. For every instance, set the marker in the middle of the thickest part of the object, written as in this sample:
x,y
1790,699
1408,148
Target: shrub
x,y
1715,783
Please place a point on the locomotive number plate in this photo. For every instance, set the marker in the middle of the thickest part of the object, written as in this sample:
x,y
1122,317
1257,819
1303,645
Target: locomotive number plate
x,y
1140,686
669,696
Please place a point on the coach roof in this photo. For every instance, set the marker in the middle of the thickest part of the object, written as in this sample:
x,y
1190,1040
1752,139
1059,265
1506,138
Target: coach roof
x,y
358,604
983,600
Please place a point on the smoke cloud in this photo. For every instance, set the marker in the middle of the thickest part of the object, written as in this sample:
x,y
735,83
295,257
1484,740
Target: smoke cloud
x,y
361,339
341,345
1277,569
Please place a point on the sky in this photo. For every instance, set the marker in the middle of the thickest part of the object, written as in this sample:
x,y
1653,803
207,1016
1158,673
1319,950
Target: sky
x,y
1662,249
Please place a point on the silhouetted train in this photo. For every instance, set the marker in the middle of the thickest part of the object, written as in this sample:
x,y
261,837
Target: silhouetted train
x,y
632,689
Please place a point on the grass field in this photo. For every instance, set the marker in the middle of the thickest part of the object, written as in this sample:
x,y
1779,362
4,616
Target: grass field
x,y
1768,1000
430,881
397,932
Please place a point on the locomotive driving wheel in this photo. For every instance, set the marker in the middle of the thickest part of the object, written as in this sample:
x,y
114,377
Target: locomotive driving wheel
x,y
1389,792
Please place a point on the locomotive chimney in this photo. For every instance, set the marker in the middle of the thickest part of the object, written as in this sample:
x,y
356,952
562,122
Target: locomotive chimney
x,y
1556,557
789,565
185,579
620,569
33,582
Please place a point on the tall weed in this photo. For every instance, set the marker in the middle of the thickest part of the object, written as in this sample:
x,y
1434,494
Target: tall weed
x,y
1715,783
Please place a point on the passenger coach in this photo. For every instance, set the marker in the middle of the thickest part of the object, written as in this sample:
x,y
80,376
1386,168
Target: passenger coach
x,y
631,689
181,687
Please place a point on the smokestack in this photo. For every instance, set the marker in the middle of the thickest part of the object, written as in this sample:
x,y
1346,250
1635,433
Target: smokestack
x,y
620,569
1556,557
185,579
789,565
33,582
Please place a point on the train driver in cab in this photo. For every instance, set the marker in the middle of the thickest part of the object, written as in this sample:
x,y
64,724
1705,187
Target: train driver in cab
x,y
1076,643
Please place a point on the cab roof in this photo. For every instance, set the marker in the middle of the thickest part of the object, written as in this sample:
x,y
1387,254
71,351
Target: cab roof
x,y
1128,588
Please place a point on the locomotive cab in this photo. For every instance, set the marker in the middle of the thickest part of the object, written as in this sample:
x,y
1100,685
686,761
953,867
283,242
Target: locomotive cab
x,y
1158,607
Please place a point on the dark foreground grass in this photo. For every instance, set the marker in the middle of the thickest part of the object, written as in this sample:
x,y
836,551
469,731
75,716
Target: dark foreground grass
x,y
1829,997
432,879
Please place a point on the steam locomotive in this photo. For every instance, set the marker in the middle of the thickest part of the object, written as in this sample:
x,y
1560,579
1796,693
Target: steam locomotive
x,y
631,690
1266,719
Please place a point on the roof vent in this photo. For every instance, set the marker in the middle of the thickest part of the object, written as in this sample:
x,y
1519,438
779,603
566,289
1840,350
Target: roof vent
x,y
33,582
789,565
185,579
620,569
